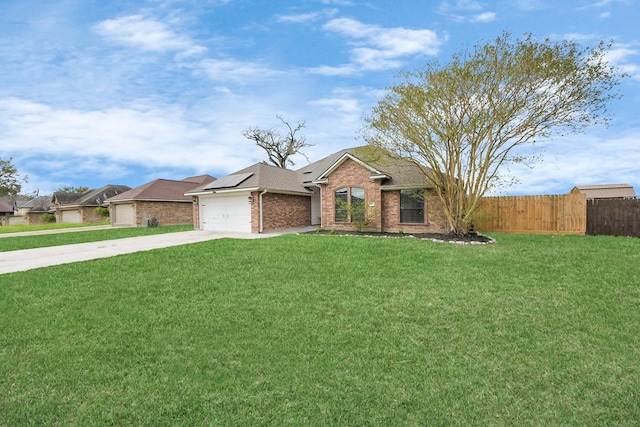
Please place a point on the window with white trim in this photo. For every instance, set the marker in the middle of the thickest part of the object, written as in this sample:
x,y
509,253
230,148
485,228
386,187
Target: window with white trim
x,y
412,206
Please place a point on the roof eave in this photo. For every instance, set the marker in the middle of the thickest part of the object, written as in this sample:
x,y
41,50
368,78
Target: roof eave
x,y
345,156
404,187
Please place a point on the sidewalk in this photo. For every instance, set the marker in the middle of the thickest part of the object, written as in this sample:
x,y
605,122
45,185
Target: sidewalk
x,y
56,231
28,259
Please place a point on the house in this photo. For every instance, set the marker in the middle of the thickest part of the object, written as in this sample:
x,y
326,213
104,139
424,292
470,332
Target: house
x,y
333,193
32,209
162,199
79,208
6,210
607,191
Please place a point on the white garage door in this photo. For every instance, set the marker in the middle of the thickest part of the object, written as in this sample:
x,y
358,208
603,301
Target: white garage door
x,y
72,217
226,213
123,214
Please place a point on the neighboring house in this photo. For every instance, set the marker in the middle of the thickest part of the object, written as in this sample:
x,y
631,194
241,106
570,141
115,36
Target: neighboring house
x,y
607,191
33,209
5,208
162,199
79,208
262,197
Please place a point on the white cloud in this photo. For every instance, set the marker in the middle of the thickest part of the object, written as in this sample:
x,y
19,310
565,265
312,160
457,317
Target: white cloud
x,y
338,2
145,135
378,48
236,71
471,5
307,17
300,18
580,160
146,34
327,70
619,57
484,17
459,11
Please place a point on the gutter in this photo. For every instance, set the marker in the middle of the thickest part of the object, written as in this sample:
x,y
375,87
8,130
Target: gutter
x,y
260,207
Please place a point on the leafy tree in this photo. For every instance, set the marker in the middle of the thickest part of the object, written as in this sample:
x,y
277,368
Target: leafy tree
x,y
71,189
463,120
279,147
9,179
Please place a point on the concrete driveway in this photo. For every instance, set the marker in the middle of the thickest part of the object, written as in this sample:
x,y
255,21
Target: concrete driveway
x,y
28,259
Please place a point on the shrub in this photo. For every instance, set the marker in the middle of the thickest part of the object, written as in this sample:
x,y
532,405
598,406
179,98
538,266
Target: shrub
x,y
48,218
102,211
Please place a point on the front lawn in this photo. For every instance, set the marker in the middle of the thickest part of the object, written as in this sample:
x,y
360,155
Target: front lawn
x,y
329,330
45,240
19,228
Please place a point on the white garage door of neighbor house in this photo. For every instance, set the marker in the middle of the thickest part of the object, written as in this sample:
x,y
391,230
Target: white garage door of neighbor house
x,y
71,217
226,213
123,214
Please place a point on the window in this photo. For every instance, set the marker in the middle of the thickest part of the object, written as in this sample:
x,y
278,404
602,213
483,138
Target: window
x,y
342,198
349,204
412,206
357,204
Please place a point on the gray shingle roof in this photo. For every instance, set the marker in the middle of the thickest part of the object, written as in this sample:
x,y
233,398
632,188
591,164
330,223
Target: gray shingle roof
x,y
163,190
400,173
5,207
37,204
94,197
262,177
396,173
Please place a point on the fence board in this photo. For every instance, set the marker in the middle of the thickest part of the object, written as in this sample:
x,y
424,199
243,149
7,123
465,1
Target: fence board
x,y
613,217
553,214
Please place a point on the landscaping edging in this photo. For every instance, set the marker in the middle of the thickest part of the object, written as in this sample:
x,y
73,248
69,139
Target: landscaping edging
x,y
470,239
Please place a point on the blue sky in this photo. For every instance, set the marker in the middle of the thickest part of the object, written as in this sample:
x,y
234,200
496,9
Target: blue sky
x,y
99,92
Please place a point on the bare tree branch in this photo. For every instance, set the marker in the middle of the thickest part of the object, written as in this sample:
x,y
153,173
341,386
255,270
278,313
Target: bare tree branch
x,y
279,147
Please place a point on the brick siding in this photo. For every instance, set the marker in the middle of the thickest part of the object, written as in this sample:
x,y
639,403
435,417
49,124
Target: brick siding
x,y
196,213
384,206
434,219
280,211
351,174
167,213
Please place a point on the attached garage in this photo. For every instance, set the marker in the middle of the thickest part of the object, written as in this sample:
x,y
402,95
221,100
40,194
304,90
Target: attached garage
x,y
222,212
71,216
123,214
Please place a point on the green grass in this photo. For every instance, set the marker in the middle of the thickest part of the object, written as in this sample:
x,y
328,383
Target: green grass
x,y
329,330
45,240
19,228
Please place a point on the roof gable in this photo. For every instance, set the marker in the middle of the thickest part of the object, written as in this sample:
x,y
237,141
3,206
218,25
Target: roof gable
x,y
393,172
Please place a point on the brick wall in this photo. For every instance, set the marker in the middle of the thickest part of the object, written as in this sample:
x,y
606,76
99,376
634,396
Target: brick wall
x,y
196,213
167,213
88,214
384,206
280,211
351,174
34,217
434,219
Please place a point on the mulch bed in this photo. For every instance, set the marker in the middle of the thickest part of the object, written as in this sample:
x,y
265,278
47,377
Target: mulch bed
x,y
473,238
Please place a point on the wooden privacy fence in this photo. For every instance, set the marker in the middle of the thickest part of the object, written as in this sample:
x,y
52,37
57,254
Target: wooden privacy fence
x,y
617,217
556,214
